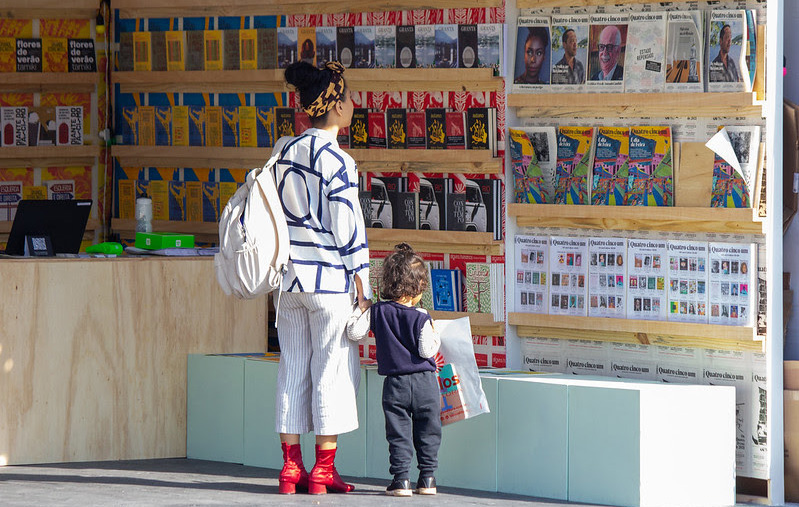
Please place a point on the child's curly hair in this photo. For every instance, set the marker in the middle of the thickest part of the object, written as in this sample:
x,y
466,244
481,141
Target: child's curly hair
x,y
404,274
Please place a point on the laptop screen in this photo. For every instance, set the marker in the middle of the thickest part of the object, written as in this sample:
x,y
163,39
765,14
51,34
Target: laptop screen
x,y
64,221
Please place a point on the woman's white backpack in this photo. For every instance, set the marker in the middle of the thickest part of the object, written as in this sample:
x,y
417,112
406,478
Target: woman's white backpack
x,y
253,235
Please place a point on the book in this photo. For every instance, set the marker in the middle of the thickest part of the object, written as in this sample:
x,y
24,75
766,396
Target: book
x,y
429,207
397,129
124,57
531,260
385,46
575,146
265,126
231,50
435,128
446,46
302,121
651,172
607,39
490,49
405,207
727,43
163,125
364,47
751,47
177,200
8,54
382,214
687,281
194,201
684,52
158,190
569,51
359,128
447,289
455,210
611,166
81,55
425,38
14,124
196,126
467,46
492,198
60,189
284,122
212,54
127,128
647,271
325,45
69,125
345,45
479,285
175,45
158,51
29,55
213,126
180,125
532,63
195,50
417,129
248,132
146,124
306,44
286,46
532,154
365,200
142,56
731,187
481,129
607,277
377,137
230,126
210,201
267,48
406,47
343,137
455,130
54,54
645,59
731,283
568,270
10,195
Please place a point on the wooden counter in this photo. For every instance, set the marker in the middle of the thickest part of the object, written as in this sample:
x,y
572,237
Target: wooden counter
x,y
93,353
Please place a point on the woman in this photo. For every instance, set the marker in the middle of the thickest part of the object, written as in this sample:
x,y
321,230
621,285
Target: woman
x,y
535,53
328,260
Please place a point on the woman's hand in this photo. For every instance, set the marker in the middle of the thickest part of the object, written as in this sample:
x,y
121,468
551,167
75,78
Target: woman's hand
x,y
363,304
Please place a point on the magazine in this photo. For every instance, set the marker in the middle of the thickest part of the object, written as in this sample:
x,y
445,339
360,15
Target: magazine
x,y
531,259
532,63
646,273
610,166
607,277
688,281
732,283
646,44
572,165
684,52
651,177
727,45
532,152
735,166
569,52
568,271
607,38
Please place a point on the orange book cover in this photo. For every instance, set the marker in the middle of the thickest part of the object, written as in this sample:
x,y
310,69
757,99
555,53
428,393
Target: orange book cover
x,y
54,54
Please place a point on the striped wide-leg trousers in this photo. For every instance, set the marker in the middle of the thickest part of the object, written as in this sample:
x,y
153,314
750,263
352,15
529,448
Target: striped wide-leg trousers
x,y
319,368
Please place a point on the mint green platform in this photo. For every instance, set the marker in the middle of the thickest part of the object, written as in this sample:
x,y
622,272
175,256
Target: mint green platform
x,y
581,439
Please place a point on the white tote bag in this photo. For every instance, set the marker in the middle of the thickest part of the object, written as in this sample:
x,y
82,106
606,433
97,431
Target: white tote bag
x,y
462,393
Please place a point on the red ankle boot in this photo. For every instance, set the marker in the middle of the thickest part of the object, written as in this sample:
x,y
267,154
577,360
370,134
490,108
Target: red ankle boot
x,y
293,473
324,474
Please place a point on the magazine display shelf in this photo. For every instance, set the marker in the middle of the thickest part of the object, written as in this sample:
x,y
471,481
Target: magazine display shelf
x,y
649,332
36,9
176,8
48,82
539,4
459,242
48,156
271,80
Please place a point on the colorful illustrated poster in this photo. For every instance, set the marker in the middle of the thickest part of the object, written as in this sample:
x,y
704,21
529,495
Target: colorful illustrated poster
x,y
532,152
607,277
531,259
647,271
732,283
651,179
688,281
611,166
568,270
571,168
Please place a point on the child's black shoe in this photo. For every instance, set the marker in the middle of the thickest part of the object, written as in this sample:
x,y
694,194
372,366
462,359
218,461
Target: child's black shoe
x,y
399,487
426,485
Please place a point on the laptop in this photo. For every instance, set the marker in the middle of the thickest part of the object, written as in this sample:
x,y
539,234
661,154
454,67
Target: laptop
x,y
48,227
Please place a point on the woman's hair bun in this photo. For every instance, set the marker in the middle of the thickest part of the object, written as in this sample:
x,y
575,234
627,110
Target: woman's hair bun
x,y
403,248
302,74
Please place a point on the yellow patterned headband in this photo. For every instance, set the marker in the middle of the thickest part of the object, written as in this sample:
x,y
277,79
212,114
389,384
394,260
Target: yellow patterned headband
x,y
328,98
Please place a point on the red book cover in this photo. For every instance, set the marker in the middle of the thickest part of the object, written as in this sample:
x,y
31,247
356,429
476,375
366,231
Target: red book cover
x,y
417,130
377,130
455,130
301,122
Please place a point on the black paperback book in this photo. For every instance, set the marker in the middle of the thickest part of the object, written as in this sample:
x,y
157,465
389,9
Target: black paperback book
x,y
230,50
436,128
359,128
82,57
406,47
480,125
365,199
158,51
405,206
441,187
345,45
125,55
267,48
467,45
455,213
491,189
29,55
397,128
284,122
195,52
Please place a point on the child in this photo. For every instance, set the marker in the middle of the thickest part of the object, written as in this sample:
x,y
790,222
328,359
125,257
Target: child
x,y
406,342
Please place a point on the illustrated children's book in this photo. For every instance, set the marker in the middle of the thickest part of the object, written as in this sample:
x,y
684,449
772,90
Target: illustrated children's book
x,y
651,180
573,161
532,150
611,166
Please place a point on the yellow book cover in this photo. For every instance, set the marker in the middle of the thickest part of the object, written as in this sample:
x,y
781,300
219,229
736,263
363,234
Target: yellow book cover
x,y
213,49
175,45
8,54
194,201
213,126
306,44
226,191
180,126
248,132
141,51
159,193
248,55
127,199
146,125
38,192
54,54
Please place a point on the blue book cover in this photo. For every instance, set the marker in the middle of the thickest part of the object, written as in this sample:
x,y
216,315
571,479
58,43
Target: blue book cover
x,y
128,128
446,292
196,126
230,126
177,200
265,126
210,201
163,126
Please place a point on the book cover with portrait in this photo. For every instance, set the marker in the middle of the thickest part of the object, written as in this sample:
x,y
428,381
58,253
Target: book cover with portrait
x,y
531,70
607,46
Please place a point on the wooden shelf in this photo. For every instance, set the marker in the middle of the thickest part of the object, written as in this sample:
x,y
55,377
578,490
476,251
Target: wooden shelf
x,y
271,80
179,8
648,332
48,156
57,9
540,4
727,220
460,242
190,156
482,323
49,82
203,231
579,105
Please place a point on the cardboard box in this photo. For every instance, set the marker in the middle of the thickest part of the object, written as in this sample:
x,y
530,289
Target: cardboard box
x,y
161,240
791,419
